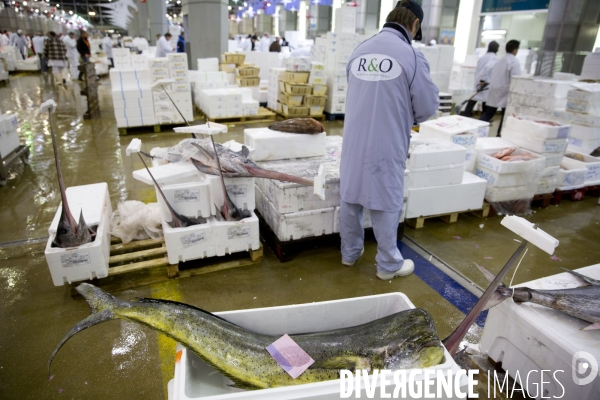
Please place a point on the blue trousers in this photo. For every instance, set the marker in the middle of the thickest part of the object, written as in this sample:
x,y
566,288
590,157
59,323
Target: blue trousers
x,y
385,226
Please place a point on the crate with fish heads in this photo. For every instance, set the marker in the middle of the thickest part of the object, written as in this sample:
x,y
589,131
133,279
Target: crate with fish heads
x,y
529,337
189,243
89,260
240,191
195,379
236,236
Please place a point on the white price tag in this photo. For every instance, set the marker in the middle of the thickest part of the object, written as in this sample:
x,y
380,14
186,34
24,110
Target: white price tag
x,y
187,195
75,259
192,239
236,232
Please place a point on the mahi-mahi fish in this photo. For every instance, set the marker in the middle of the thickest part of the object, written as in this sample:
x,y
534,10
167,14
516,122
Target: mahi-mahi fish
x,y
404,340
298,125
580,302
69,233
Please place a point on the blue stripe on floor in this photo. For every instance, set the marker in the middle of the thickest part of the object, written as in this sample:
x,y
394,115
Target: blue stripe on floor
x,y
447,287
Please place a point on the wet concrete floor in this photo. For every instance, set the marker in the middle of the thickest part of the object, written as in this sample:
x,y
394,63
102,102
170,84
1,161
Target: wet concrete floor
x,y
122,360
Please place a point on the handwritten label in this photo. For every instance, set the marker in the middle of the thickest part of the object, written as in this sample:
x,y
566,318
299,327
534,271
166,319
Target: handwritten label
x,y
187,195
75,259
236,232
192,239
290,356
237,190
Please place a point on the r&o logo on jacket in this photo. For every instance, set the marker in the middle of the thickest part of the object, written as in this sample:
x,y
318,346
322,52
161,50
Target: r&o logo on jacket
x,y
375,67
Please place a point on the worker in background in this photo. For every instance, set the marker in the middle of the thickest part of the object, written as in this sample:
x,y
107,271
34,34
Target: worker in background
x,y
72,54
56,52
483,73
38,47
265,42
246,44
181,43
284,42
432,42
502,73
275,46
163,47
20,42
254,46
4,39
107,46
84,50
389,87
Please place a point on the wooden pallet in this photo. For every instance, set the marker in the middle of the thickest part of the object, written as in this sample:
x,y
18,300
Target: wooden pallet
x,y
145,129
542,200
593,191
264,116
333,117
286,251
144,262
573,195
449,218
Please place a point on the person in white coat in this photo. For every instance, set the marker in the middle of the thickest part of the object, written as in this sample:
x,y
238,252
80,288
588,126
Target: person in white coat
x,y
163,47
72,54
107,46
38,46
483,72
502,73
4,39
265,42
389,88
246,44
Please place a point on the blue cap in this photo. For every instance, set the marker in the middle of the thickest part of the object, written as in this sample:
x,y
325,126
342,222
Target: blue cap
x,y
417,10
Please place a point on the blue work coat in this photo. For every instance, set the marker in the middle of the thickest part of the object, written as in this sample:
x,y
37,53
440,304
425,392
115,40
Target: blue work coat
x,y
389,87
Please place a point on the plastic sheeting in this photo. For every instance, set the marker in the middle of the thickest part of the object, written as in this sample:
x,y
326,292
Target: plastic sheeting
x,y
135,220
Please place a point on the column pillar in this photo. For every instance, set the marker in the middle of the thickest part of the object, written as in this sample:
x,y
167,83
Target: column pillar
x,y
467,29
133,26
312,22
157,14
207,28
570,33
144,27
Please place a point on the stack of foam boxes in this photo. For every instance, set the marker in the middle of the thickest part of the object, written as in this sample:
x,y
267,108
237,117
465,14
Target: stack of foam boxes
x,y
318,80
264,62
459,130
194,194
583,113
536,97
229,62
438,181
227,103
545,138
440,59
445,107
132,97
180,91
591,66
345,19
201,80
276,74
122,58
9,136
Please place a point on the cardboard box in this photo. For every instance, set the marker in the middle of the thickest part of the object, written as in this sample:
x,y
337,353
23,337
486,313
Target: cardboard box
x,y
298,88
316,111
317,79
232,58
315,101
319,89
296,77
291,99
228,68
247,72
243,82
291,111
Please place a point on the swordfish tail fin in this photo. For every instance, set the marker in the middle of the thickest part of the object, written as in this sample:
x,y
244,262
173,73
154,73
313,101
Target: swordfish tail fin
x,y
101,306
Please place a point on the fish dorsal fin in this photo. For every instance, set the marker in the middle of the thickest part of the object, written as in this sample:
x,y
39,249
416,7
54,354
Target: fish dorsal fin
x,y
161,301
245,152
586,279
594,326
488,274
351,363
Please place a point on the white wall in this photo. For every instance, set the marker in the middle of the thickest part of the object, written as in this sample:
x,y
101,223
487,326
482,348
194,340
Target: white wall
x,y
527,28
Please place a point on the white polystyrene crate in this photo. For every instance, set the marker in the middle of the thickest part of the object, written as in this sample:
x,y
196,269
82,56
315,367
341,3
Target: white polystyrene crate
x,y
571,178
436,176
93,200
84,262
470,160
267,144
592,164
9,137
492,144
485,159
191,199
547,185
534,143
552,159
585,146
526,337
240,191
171,173
189,243
537,127
450,126
585,132
498,194
194,379
299,198
427,153
235,236
295,225
495,179
446,199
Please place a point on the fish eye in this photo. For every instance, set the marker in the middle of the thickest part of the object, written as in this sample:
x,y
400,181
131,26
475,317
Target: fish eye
x,y
410,346
62,231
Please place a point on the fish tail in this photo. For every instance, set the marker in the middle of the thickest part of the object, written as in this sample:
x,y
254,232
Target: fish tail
x,y
101,304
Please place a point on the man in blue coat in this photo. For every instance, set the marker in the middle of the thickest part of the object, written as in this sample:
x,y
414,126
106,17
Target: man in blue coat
x,y
389,87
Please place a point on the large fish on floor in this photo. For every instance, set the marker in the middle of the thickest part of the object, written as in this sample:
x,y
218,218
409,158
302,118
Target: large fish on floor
x,y
69,233
581,302
298,125
404,340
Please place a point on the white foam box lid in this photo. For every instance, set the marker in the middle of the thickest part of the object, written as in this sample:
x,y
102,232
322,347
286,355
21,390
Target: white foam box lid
x,y
445,127
534,143
576,118
92,200
235,236
528,336
427,153
436,176
446,199
585,132
189,243
485,159
490,144
169,173
267,144
592,164
571,178
540,87
540,128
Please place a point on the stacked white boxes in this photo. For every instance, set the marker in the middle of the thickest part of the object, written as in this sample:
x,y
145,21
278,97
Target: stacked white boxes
x,y
445,107
163,107
543,137
9,137
201,80
438,182
208,64
591,66
180,91
227,102
577,161
132,97
536,97
122,58
583,113
345,20
440,59
275,75
263,61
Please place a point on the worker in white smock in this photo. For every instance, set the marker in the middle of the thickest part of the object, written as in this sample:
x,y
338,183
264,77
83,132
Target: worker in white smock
x,y
264,43
389,87
107,46
38,46
163,47
483,72
502,73
246,44
20,42
72,54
